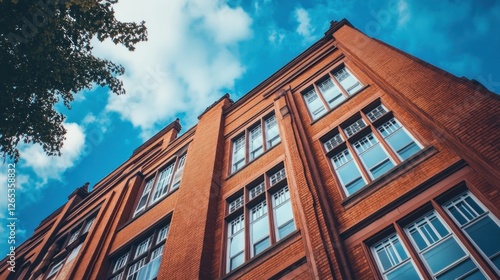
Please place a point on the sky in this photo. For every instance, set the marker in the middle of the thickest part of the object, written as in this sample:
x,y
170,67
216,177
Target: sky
x,y
199,50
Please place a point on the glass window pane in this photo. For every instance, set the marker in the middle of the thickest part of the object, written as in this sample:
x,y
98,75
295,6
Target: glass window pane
x,y
486,234
418,239
348,173
286,230
443,255
355,185
458,215
261,245
439,227
384,259
461,269
237,243
283,213
260,229
474,205
408,151
404,272
382,168
256,144
272,132
236,261
348,81
316,107
400,250
331,92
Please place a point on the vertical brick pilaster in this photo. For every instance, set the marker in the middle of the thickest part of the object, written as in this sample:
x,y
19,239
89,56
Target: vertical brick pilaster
x,y
309,213
187,252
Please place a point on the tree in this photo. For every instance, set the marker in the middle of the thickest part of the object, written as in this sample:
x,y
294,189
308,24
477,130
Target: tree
x,y
46,57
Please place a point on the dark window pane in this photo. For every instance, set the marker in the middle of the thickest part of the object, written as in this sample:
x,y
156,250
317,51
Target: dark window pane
x,y
261,246
382,168
236,261
461,269
355,185
405,272
418,240
286,229
460,218
486,234
408,151
443,255
439,227
384,259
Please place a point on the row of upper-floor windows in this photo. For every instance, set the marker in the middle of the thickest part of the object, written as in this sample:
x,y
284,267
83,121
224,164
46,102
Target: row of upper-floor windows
x,y
330,91
257,217
368,145
67,247
254,141
142,259
162,183
434,243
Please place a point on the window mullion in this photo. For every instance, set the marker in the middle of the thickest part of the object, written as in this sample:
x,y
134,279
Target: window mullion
x,y
341,88
152,190
392,155
358,162
322,98
263,127
473,251
270,217
246,232
411,250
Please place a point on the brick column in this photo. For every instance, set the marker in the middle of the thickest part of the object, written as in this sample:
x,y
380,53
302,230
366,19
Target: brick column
x,y
188,248
319,248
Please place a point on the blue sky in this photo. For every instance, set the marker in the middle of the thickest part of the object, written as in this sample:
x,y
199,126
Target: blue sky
x,y
199,50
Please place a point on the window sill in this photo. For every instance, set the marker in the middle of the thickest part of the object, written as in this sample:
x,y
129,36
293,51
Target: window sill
x,y
252,161
263,256
340,104
391,175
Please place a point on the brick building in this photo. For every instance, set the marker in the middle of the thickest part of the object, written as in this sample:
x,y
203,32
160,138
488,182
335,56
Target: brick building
x,y
353,161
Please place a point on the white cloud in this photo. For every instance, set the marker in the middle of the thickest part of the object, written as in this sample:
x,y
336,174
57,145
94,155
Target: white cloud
x,y
305,29
48,167
276,36
403,13
190,60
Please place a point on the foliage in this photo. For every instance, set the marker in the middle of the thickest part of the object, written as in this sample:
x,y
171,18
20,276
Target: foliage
x,y
46,57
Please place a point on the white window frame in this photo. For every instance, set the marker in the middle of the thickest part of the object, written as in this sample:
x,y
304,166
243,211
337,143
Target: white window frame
x,y
243,143
401,263
461,197
317,90
441,240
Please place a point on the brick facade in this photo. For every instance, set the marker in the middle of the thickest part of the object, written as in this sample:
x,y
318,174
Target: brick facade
x,y
453,123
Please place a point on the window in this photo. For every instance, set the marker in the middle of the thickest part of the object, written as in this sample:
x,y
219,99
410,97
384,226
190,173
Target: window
x,y
333,89
55,268
142,260
159,186
393,260
367,146
442,254
478,224
441,250
81,230
250,227
261,137
88,224
74,236
68,245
